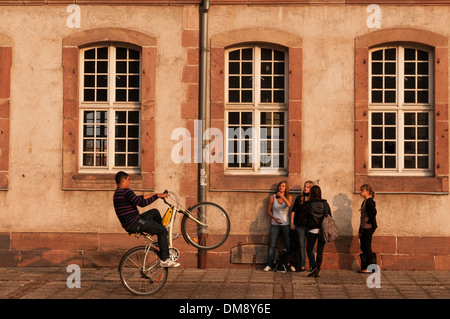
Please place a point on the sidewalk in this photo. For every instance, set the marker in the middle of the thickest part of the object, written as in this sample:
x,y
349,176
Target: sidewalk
x,y
235,284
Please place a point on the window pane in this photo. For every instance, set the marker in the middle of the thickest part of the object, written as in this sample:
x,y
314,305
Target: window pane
x,y
410,118
279,82
390,68
121,145
89,54
389,162
423,162
88,145
233,82
389,119
234,55
133,81
377,133
234,68
102,66
422,118
134,67
266,96
410,68
89,66
410,133
233,118
389,96
133,117
278,96
377,147
89,95
247,54
377,96
246,82
389,133
377,55
120,159
410,54
377,162
410,162
133,160
233,96
390,54
389,148
102,95
410,148
422,133
102,80
389,82
410,96
102,53
377,118
266,54
246,118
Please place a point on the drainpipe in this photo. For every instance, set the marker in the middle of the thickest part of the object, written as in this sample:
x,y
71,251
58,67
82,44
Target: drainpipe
x,y
202,96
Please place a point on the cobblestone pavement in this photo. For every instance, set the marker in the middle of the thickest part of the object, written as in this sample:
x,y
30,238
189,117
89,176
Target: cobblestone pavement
x,y
229,284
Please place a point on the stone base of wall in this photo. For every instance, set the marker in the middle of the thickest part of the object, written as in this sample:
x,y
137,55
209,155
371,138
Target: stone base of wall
x,y
41,249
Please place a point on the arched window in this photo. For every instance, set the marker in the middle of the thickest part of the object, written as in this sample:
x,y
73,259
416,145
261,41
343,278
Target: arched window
x,y
110,108
401,110
256,109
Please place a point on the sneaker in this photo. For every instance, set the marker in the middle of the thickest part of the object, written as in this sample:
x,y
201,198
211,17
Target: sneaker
x,y
292,268
267,268
168,263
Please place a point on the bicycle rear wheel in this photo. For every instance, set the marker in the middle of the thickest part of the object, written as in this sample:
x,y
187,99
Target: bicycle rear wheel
x,y
214,233
140,272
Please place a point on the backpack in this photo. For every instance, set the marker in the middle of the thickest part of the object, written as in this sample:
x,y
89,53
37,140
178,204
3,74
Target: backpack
x,y
281,264
329,229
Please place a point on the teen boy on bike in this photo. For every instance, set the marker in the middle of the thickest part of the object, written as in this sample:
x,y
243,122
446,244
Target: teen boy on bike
x,y
125,205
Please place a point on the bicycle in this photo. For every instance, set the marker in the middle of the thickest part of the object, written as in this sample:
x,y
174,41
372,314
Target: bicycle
x,y
205,226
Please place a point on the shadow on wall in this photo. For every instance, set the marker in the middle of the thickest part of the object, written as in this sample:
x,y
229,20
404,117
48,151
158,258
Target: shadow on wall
x,y
343,218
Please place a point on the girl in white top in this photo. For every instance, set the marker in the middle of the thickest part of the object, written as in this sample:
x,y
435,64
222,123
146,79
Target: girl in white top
x,y
278,210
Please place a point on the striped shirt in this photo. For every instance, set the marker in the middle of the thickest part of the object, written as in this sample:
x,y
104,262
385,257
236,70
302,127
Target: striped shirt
x,y
125,204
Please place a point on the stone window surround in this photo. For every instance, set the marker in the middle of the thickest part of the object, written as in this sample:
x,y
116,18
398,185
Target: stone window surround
x,y
5,95
72,179
438,183
219,179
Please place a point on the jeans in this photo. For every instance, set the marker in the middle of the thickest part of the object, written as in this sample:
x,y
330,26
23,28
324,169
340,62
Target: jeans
x,y
301,230
150,222
310,241
366,245
274,233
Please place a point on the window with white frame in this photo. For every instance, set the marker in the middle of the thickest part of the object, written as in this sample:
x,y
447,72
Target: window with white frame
x,y
401,110
110,108
256,109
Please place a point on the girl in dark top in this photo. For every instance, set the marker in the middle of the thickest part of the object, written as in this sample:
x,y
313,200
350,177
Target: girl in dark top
x,y
316,209
298,221
368,224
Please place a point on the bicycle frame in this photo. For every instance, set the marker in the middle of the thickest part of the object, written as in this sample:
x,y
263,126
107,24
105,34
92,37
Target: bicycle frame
x,y
171,223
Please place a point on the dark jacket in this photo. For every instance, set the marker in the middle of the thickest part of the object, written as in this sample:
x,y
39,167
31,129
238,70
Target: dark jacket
x,y
299,210
371,211
315,212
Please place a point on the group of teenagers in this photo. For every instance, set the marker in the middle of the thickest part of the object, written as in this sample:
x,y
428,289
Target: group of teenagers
x,y
305,219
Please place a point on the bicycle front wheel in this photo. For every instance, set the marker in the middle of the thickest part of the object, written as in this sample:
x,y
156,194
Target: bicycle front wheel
x,y
212,228
140,271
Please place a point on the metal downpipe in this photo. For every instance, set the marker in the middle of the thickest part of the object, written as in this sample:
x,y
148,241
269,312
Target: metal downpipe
x,y
202,97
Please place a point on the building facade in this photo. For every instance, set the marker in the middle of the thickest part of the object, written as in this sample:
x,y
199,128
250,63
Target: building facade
x,y
341,92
